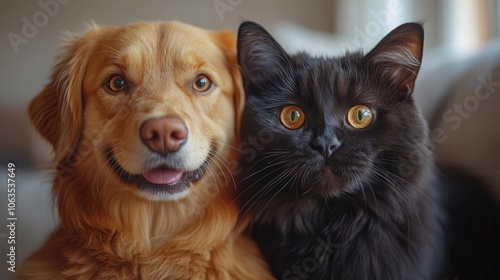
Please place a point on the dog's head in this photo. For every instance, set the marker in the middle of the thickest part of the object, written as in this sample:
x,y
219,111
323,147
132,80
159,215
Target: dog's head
x,y
150,105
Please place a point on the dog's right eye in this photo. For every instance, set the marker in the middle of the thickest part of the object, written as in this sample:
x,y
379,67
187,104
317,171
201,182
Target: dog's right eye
x,y
116,83
202,83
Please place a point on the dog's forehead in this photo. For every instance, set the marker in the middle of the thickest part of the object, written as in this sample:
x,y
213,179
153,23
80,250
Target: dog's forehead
x,y
171,44
158,47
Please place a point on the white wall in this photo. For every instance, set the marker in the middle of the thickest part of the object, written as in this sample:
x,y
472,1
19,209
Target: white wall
x,y
367,21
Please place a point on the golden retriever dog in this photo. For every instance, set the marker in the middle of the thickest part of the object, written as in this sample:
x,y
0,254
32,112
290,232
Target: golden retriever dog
x,y
143,119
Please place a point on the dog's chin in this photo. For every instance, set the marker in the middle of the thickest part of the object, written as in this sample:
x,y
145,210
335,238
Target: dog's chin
x,y
160,183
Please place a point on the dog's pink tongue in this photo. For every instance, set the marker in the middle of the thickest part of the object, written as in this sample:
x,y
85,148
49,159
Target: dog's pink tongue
x,y
162,176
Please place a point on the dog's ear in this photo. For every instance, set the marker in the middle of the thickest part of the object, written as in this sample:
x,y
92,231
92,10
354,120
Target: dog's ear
x,y
226,40
56,112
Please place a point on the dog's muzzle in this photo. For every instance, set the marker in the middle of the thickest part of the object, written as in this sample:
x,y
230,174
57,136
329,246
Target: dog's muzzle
x,y
163,136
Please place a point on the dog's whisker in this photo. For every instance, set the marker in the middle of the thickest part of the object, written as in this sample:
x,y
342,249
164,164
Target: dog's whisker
x,y
225,145
217,158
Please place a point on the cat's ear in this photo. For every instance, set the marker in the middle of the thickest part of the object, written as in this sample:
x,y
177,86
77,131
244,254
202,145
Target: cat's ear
x,y
398,55
259,55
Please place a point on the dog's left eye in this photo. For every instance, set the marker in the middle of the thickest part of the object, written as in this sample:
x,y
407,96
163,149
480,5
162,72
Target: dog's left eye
x,y
202,83
116,83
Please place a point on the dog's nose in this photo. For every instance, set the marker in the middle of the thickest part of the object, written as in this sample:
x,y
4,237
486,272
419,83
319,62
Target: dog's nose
x,y
164,135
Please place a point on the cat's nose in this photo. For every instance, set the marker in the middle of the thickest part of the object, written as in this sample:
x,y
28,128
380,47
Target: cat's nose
x,y
326,145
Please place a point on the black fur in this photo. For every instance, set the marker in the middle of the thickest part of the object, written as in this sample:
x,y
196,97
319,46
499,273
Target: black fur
x,y
370,210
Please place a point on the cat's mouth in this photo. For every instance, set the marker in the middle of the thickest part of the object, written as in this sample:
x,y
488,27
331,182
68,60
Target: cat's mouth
x,y
329,182
328,174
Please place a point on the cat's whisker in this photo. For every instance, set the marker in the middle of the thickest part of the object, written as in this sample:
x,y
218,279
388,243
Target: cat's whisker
x,y
259,195
247,188
265,189
270,165
405,181
400,191
283,186
267,156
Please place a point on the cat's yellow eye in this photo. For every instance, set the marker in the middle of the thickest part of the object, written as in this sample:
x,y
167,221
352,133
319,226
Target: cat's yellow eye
x,y
292,117
360,116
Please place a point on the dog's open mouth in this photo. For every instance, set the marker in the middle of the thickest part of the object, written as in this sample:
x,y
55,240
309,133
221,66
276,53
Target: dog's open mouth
x,y
158,181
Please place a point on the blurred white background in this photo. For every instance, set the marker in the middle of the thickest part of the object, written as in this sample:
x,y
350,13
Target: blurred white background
x,y
461,47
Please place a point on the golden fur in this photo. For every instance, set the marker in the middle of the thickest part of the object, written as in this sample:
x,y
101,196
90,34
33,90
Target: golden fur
x,y
109,229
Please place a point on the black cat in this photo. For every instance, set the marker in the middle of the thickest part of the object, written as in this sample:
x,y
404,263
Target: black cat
x,y
340,181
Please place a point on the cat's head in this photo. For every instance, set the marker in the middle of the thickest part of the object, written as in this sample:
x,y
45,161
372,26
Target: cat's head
x,y
329,126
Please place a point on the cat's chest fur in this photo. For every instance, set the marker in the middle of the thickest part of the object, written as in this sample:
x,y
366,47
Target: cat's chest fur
x,y
331,239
